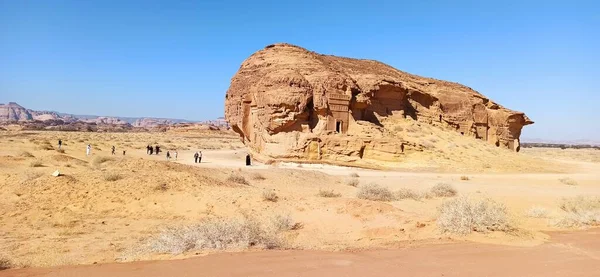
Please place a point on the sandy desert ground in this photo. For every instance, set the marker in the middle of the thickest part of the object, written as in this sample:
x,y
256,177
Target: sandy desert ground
x,y
106,209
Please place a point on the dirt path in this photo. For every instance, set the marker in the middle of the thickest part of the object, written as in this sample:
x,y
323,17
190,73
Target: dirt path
x,y
569,254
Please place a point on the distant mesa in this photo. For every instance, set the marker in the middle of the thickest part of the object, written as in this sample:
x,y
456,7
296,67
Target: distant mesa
x,y
13,113
286,102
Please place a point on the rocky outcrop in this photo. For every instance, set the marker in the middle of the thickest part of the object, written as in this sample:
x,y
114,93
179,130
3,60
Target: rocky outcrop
x,y
13,112
151,122
289,103
107,120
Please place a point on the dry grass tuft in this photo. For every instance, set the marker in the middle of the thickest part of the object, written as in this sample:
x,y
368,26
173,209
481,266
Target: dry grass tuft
x,y
568,181
354,175
215,234
62,151
237,178
580,211
443,190
162,187
537,212
406,193
374,192
36,163
269,195
463,216
26,154
580,203
329,194
102,159
464,178
111,177
257,176
5,264
353,182
45,146
285,223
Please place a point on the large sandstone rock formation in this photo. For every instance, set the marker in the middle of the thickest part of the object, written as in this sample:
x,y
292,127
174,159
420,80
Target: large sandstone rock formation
x,y
289,103
13,112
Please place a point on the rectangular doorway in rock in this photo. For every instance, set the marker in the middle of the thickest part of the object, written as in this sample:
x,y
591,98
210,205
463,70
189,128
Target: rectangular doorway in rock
x,y
339,126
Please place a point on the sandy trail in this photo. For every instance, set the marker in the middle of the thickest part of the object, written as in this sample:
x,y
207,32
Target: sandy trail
x,y
569,254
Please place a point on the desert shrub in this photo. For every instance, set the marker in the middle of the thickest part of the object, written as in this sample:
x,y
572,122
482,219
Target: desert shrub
x,y
463,216
5,263
45,146
580,219
62,151
464,178
111,177
568,181
215,234
285,223
237,178
443,190
258,177
427,144
580,211
352,182
354,175
162,187
102,159
374,192
36,163
406,193
580,203
537,212
25,154
329,194
269,195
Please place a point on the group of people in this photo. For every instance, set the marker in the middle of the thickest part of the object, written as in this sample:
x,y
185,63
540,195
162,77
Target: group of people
x,y
152,150
169,155
198,157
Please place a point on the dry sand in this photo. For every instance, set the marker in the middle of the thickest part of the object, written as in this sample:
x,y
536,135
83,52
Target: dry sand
x,y
569,254
83,217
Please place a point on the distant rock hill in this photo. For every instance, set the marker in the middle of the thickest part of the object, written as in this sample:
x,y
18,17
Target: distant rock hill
x,y
13,113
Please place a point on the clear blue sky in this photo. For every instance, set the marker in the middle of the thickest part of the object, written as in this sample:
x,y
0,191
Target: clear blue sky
x,y
176,58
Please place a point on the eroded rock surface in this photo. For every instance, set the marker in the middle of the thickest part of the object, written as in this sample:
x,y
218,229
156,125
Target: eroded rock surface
x,y
289,103
13,112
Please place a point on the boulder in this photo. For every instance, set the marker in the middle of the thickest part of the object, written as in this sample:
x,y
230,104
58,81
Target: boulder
x,y
286,102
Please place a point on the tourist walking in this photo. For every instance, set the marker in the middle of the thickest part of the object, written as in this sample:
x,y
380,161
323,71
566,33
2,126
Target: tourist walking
x,y
151,149
88,150
123,152
175,154
168,155
59,144
157,149
200,157
248,160
113,150
148,150
196,157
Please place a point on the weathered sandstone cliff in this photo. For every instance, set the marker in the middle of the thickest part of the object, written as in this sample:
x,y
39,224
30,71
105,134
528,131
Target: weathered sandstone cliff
x,y
289,103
